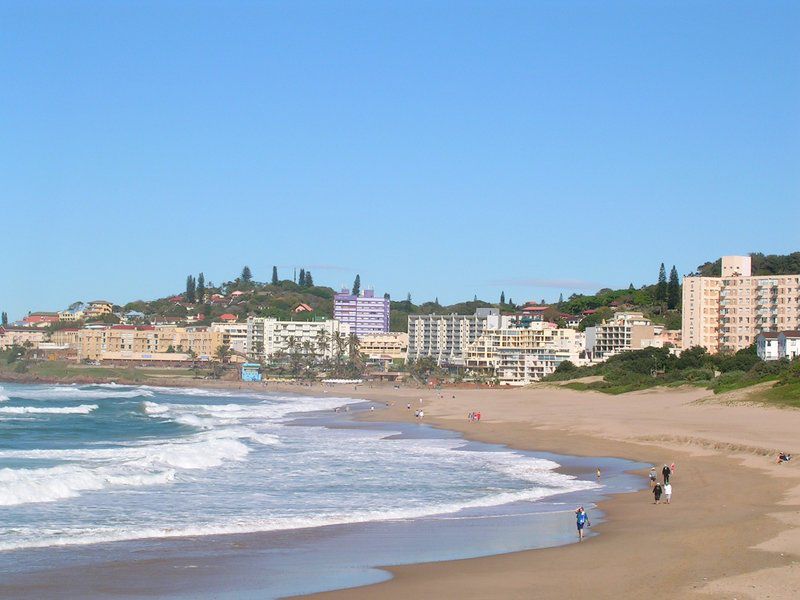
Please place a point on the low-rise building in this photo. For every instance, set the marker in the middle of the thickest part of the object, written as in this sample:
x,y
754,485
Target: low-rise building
x,y
625,331
121,342
789,344
70,316
323,338
767,345
40,319
98,308
384,347
66,337
21,336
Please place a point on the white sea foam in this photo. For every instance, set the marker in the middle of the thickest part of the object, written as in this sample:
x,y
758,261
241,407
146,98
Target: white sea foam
x,y
83,409
3,396
76,393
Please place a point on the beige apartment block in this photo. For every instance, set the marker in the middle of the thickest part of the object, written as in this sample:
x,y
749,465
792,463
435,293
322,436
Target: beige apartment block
x,y
234,335
384,346
728,313
522,355
146,341
65,337
21,336
98,308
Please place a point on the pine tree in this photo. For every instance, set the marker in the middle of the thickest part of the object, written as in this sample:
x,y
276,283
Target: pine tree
x,y
5,318
200,291
673,289
302,280
408,298
436,301
190,289
247,275
560,299
502,297
661,286
309,279
510,302
357,285
274,275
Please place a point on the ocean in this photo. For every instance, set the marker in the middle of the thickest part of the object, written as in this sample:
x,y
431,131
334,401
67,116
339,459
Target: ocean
x,y
90,469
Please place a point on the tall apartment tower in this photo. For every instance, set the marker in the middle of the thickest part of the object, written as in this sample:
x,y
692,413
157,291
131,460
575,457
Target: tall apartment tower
x,y
364,314
728,312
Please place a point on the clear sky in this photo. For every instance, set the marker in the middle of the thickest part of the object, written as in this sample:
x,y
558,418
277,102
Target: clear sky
x,y
439,148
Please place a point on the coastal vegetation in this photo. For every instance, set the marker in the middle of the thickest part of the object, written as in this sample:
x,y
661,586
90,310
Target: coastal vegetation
x,y
652,367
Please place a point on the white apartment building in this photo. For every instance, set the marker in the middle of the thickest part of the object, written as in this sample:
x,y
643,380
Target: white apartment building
x,y
519,356
789,344
767,346
446,337
729,312
625,331
267,335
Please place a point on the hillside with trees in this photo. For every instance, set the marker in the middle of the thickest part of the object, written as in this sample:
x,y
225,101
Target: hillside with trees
x,y
762,264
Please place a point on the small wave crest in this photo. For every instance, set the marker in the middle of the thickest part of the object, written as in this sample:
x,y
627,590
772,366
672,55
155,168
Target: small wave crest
x,y
83,409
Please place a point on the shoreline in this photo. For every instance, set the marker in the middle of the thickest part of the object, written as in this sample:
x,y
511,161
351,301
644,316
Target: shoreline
x,y
730,532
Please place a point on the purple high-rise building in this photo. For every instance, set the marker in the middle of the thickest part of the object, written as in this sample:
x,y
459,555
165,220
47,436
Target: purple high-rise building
x,y
364,314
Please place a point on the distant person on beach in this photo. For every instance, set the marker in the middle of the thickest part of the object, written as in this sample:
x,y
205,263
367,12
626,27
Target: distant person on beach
x,y
581,521
408,406
598,472
783,457
652,475
668,492
672,468
657,491
666,472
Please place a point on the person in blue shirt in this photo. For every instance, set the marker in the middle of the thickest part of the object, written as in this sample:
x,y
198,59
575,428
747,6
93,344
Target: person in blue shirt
x,y
582,520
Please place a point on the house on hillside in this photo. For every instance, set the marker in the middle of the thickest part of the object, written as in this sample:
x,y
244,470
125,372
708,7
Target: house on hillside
x,y
302,307
228,318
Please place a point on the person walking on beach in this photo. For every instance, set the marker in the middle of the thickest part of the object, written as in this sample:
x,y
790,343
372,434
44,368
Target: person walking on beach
x,y
581,520
598,472
666,472
652,475
657,491
667,492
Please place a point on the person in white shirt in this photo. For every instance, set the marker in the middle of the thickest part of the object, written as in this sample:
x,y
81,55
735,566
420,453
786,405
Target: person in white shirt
x,y
668,492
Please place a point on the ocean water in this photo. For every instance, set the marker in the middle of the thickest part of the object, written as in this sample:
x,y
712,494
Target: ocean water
x,y
82,466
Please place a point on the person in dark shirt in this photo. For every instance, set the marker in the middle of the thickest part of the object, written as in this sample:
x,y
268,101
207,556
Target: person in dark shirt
x,y
666,472
657,491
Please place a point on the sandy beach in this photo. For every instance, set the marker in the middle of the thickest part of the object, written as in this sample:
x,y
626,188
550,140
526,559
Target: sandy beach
x,y
732,530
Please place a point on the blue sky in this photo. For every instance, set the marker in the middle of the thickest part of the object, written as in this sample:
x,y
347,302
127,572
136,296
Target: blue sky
x,y
440,148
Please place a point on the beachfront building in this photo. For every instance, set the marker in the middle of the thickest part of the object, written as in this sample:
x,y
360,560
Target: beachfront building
x,y
234,335
729,312
446,337
789,344
625,331
364,313
383,348
147,343
21,336
266,336
522,355
67,338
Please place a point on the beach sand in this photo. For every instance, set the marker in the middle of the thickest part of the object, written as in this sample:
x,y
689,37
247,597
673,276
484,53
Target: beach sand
x,y
732,530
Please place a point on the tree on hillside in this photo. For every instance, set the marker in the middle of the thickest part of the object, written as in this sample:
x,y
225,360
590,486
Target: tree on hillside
x,y
274,275
511,303
4,318
357,285
309,279
200,290
661,286
302,280
502,297
408,297
247,275
560,300
673,289
190,288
